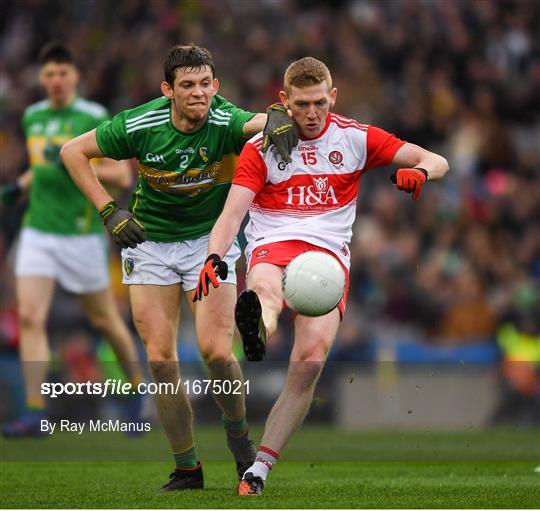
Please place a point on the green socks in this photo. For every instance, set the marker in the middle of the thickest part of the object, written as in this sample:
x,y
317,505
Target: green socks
x,y
186,459
234,428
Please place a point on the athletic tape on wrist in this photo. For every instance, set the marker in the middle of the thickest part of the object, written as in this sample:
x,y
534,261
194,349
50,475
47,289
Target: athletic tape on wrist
x,y
107,210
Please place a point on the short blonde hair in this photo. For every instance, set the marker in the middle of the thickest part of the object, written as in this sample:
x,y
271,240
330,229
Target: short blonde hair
x,y
305,72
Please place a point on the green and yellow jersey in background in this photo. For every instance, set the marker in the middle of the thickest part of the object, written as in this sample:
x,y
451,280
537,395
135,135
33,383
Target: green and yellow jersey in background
x,y
184,178
56,205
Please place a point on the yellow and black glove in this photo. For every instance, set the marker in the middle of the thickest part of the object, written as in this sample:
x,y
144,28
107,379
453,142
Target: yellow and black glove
x,y
125,229
410,180
213,268
280,130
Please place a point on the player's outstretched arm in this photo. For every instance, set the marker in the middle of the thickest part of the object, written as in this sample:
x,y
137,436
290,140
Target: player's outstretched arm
x,y
222,237
278,128
417,166
228,223
254,125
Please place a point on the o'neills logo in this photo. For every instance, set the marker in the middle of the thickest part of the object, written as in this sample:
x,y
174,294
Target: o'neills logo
x,y
191,182
317,194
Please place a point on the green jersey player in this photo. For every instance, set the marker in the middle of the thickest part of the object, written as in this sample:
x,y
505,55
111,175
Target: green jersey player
x,y
62,238
185,143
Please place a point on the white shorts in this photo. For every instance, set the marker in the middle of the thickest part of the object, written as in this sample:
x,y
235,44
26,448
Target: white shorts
x,y
79,262
177,262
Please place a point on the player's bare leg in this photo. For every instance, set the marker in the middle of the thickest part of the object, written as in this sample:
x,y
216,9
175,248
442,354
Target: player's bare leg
x,y
156,313
313,340
258,308
214,324
34,296
265,280
104,315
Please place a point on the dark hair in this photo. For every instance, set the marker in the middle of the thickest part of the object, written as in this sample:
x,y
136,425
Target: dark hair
x,y
55,52
189,56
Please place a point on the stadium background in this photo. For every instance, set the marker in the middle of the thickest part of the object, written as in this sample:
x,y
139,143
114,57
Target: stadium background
x,y
445,289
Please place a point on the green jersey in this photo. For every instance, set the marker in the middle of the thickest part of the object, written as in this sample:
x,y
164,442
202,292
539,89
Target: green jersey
x,y
56,205
184,178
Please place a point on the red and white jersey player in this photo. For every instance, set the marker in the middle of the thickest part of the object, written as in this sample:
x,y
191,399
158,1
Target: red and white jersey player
x,y
313,198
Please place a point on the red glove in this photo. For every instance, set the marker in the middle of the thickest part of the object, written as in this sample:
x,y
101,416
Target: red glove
x,y
410,180
213,268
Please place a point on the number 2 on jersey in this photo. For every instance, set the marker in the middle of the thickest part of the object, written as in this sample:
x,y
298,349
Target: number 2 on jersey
x,y
309,158
184,161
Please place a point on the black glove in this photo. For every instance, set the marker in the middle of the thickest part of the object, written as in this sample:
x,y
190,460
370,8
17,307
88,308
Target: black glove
x,y
281,130
213,268
125,229
10,193
52,153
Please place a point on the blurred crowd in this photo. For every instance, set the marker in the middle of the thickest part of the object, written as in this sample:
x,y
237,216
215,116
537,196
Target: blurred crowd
x,y
461,78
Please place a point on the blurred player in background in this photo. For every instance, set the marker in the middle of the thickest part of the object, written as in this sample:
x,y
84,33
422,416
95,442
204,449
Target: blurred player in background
x,y
62,238
308,204
186,144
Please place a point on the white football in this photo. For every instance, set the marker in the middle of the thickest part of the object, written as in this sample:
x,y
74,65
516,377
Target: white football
x,y
313,283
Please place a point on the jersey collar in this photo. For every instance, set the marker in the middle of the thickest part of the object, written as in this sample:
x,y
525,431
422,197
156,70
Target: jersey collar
x,y
66,107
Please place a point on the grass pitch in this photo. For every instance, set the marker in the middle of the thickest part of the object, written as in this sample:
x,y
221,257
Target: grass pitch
x,y
322,468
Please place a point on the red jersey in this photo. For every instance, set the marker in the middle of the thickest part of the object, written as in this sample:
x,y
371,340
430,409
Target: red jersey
x,y
313,198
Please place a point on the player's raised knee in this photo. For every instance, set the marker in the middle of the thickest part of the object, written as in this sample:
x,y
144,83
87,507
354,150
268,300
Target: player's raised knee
x,y
268,289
